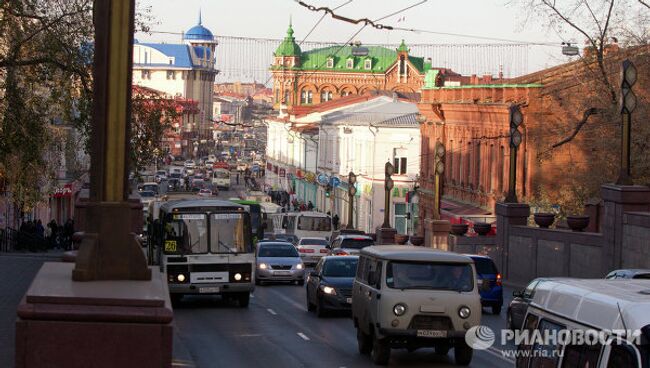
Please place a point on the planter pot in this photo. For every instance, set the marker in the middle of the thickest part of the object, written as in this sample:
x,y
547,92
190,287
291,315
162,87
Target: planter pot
x,y
482,228
577,223
459,229
417,240
544,220
401,239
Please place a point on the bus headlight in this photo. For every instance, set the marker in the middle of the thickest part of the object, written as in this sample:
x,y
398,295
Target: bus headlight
x,y
180,277
262,266
237,276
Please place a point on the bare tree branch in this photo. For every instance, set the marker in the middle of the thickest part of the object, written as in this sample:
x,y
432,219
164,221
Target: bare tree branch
x,y
585,118
644,4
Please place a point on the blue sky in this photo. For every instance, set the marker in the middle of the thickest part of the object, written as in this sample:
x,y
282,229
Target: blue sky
x,y
269,19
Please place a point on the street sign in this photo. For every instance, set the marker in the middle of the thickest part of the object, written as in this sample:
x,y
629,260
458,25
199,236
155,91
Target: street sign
x,y
335,182
323,179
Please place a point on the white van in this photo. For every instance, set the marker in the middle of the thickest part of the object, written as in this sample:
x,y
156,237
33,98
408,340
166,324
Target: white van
x,y
309,223
605,308
221,178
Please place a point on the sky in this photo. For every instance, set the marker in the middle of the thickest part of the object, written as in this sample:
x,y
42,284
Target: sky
x,y
504,19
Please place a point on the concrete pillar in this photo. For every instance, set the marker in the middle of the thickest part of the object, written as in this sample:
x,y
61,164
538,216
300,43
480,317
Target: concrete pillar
x,y
617,200
509,214
436,234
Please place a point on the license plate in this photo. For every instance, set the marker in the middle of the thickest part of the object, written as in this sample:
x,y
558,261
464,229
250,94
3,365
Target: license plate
x,y
431,333
209,290
282,273
348,300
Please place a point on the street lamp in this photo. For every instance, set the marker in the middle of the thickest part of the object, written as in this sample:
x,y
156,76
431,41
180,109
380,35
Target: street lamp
x,y
352,190
389,170
628,104
516,119
439,171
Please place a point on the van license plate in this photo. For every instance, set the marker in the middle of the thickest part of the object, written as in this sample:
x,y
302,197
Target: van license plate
x,y
209,290
431,333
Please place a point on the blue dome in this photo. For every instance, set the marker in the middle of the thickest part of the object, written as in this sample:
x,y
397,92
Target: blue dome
x,y
200,33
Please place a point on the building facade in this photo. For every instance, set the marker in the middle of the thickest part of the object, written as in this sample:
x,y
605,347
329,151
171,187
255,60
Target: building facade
x,y
184,70
324,74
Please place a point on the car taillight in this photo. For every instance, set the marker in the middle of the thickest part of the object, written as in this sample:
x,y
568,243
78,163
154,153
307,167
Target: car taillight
x,y
303,250
323,250
498,279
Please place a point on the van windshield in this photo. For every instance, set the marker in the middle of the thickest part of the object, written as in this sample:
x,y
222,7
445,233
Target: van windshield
x,y
428,275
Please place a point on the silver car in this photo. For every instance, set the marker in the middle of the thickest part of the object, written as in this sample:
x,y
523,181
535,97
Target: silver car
x,y
279,261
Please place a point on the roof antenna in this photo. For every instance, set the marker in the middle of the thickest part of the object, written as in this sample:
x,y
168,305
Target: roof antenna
x,y
622,319
200,22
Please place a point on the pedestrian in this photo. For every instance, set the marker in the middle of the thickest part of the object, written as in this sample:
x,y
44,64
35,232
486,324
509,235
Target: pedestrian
x,y
68,230
40,230
237,177
335,221
310,206
48,236
303,207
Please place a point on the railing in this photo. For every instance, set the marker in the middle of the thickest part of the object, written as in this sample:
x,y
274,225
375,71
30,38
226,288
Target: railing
x,y
14,240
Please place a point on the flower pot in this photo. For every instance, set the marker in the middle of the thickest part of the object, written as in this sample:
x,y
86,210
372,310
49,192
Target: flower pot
x,y
577,223
544,220
459,229
401,239
417,240
482,228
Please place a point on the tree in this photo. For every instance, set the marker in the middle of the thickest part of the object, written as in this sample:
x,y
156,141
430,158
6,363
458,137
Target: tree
x,y
152,115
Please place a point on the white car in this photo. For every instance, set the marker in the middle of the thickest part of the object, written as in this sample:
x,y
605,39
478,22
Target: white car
x,y
241,167
311,249
189,164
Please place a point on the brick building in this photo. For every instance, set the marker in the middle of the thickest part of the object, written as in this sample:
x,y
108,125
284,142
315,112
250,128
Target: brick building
x,y
473,123
324,74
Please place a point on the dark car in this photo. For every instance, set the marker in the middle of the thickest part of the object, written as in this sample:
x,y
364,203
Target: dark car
x,y
329,285
630,273
349,244
519,305
281,237
489,283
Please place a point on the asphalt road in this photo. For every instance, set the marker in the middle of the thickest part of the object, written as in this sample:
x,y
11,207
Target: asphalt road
x,y
277,331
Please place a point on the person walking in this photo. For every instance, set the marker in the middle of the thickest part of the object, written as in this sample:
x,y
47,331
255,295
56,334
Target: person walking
x,y
310,206
68,230
335,221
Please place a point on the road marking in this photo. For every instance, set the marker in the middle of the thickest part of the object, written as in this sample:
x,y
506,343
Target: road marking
x,y
271,311
289,300
498,353
250,335
303,336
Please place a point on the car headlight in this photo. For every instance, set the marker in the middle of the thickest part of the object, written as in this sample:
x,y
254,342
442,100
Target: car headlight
x,y
299,266
399,309
328,290
464,312
180,277
237,276
263,266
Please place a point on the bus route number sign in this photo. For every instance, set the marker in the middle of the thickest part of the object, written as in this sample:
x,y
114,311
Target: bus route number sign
x,y
170,245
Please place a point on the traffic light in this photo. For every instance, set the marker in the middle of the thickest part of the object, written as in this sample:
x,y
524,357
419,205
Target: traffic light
x,y
328,189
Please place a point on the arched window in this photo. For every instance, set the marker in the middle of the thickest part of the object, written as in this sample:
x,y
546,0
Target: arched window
x,y
325,95
500,170
330,62
468,165
478,178
306,97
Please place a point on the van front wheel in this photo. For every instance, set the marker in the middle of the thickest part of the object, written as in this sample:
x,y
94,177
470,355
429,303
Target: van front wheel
x,y
380,353
364,341
463,353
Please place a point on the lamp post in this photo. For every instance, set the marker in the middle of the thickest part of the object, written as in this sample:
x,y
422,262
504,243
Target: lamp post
x,y
352,190
389,170
628,104
440,170
516,119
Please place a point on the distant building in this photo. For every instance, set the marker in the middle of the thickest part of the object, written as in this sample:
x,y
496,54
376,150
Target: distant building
x,y
182,70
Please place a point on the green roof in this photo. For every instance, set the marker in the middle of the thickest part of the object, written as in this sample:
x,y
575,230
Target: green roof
x,y
288,47
382,58
402,47
430,78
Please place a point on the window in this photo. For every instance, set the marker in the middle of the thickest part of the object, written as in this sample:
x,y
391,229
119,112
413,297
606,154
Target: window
x,y
622,356
330,62
286,97
581,355
546,355
314,223
500,170
400,165
430,275
344,267
171,61
277,250
477,177
171,74
449,169
349,64
306,97
145,74
468,165
367,64
325,96
374,276
345,93
230,233
186,234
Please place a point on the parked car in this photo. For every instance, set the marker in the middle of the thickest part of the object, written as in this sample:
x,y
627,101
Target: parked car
x,y
329,285
146,197
489,283
632,273
189,164
413,297
349,244
312,249
279,261
519,305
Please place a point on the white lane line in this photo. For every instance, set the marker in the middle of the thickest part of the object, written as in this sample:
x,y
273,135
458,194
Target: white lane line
x,y
289,300
271,311
500,354
303,336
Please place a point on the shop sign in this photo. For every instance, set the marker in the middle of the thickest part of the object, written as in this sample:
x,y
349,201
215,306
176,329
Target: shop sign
x,y
323,179
335,182
400,192
310,177
283,173
64,192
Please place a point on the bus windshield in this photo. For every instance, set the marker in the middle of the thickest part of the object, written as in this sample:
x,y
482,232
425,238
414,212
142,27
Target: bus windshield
x,y
186,233
308,223
230,233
